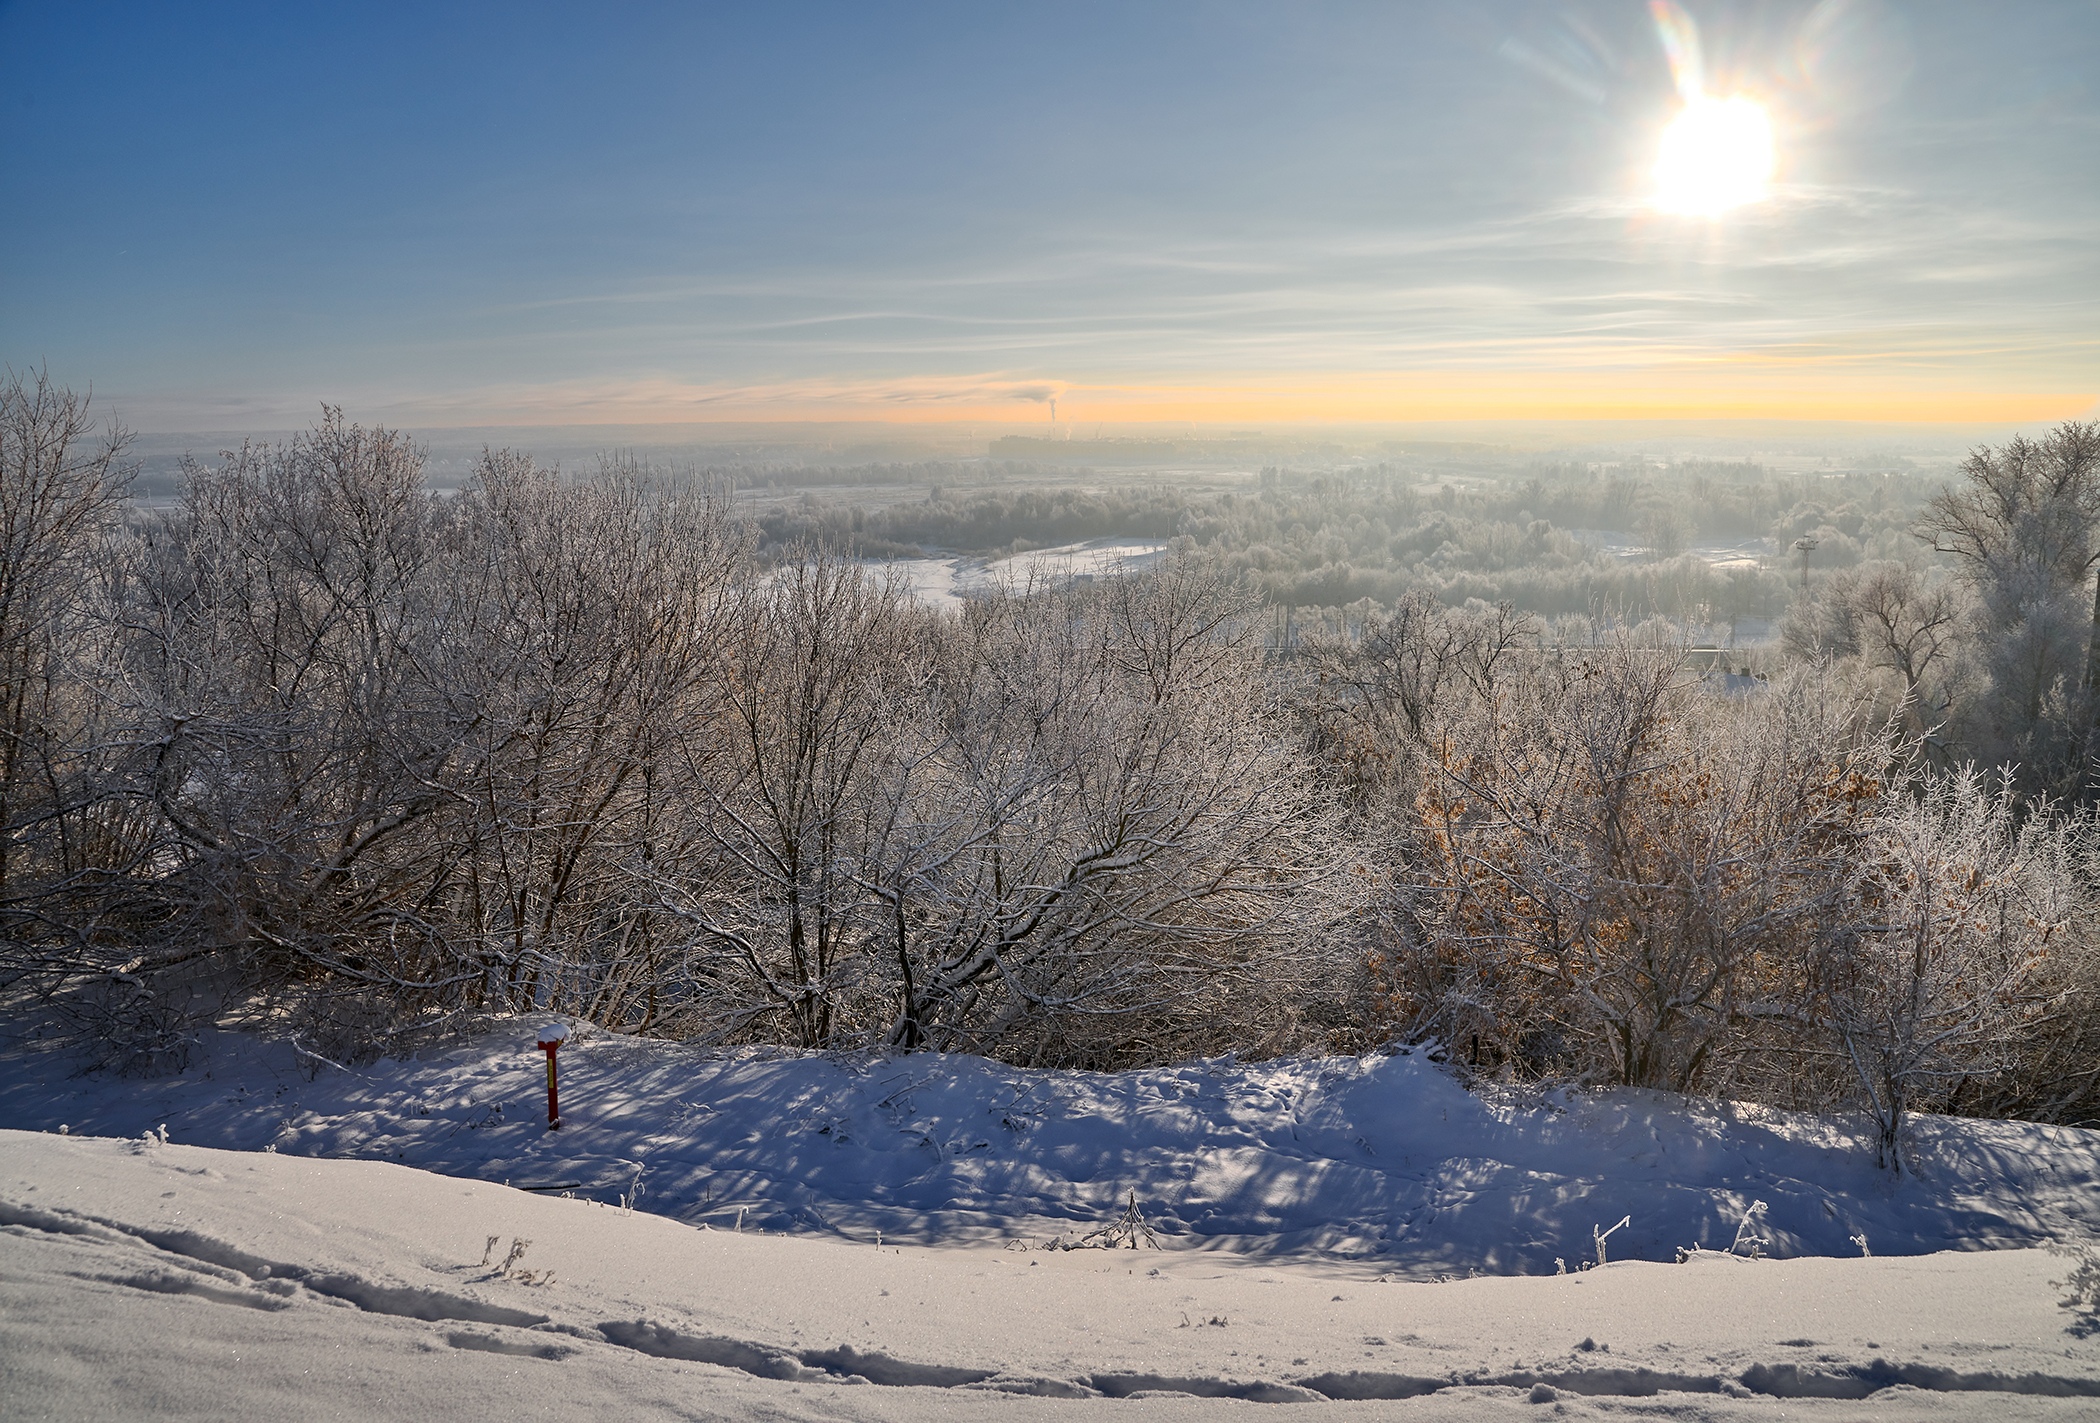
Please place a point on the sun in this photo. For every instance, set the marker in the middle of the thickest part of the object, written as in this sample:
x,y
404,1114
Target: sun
x,y
1716,154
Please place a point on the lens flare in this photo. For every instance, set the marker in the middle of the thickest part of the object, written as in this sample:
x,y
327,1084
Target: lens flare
x,y
1716,154
1680,42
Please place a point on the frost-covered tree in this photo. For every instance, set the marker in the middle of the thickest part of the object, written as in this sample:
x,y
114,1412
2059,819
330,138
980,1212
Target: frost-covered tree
x,y
1616,874
1065,825
71,826
1942,972
2024,527
765,853
1904,622
403,745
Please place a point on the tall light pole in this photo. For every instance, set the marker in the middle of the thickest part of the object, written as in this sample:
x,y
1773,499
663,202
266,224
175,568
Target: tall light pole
x,y
1806,545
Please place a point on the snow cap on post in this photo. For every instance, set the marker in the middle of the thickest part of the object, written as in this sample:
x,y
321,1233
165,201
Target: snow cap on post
x,y
551,1038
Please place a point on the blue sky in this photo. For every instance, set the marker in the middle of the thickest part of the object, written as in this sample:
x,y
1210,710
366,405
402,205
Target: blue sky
x,y
221,214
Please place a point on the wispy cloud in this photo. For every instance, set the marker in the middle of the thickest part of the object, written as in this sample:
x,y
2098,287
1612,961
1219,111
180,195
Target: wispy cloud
x,y
1592,283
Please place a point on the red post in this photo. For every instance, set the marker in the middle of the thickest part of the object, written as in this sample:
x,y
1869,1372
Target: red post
x,y
551,1039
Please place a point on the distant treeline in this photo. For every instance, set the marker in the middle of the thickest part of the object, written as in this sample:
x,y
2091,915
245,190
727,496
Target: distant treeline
x,y
934,473
1330,540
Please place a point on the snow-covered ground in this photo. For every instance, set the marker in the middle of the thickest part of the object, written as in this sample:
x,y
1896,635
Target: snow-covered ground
x,y
1383,1161
899,1217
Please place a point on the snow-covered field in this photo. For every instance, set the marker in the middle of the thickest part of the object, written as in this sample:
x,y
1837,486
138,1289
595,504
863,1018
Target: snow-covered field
x,y
895,1217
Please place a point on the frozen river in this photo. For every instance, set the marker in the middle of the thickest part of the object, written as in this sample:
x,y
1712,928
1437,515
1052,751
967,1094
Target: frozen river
x,y
945,582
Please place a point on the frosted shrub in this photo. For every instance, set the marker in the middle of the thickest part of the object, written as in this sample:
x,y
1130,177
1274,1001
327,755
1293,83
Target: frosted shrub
x,y
1959,910
1126,1230
1612,876
1603,1235
1749,1232
1607,874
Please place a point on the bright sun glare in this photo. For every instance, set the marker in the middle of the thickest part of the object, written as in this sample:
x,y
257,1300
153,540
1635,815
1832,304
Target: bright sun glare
x,y
1716,155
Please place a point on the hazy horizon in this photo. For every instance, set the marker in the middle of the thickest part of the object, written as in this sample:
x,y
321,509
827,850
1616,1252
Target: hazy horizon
x,y
1134,450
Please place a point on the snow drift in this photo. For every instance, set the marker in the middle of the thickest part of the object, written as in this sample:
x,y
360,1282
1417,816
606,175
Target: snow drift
x,y
1384,1161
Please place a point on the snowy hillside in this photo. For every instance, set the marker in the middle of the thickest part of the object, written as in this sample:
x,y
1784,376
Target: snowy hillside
x,y
1383,1162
